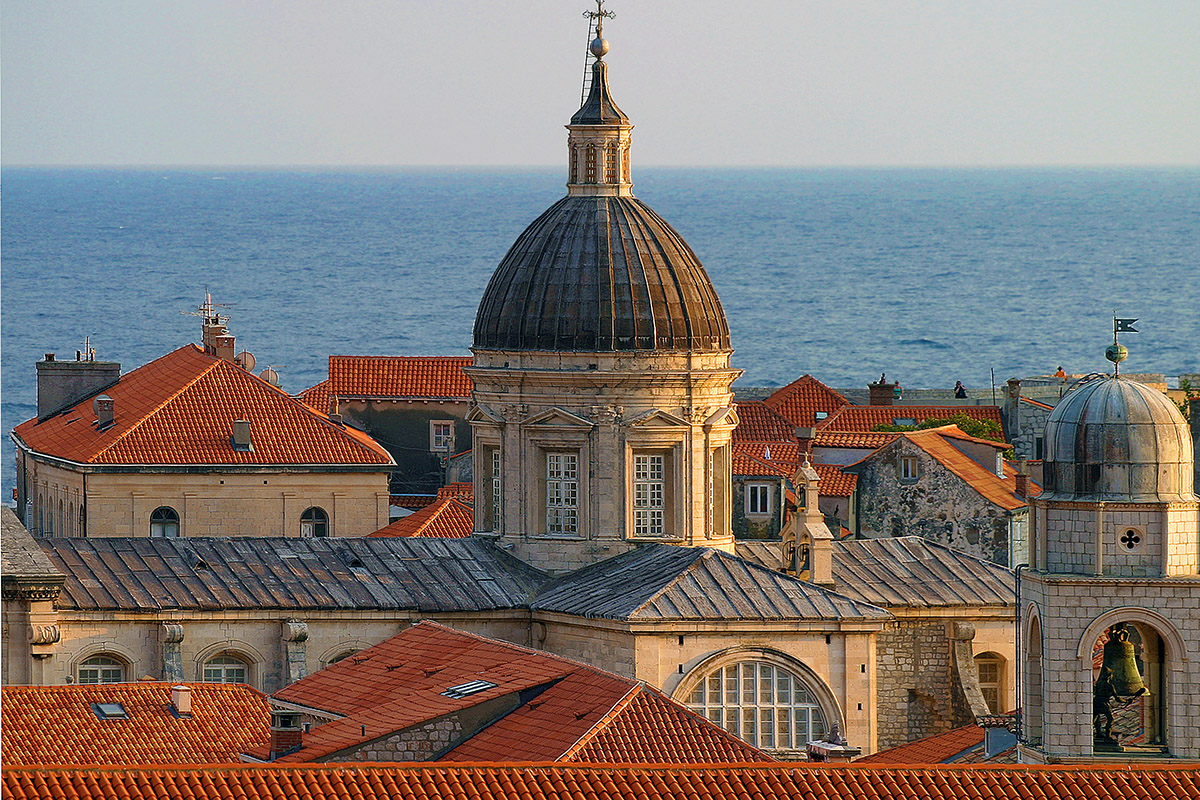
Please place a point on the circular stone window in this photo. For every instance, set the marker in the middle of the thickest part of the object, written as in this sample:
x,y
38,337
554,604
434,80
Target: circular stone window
x,y
1131,538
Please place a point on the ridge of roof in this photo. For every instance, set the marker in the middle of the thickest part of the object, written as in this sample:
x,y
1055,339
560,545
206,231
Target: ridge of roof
x,y
611,714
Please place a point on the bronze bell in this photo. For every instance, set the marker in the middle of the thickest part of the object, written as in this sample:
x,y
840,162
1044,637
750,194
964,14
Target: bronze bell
x,y
1122,667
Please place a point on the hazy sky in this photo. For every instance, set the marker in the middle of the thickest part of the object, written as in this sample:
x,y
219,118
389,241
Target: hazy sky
x,y
738,82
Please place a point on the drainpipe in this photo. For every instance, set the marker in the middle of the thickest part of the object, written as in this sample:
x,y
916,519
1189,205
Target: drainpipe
x,y
1020,663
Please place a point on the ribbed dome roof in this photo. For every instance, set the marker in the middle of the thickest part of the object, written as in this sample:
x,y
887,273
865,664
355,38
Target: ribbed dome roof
x,y
1117,440
599,274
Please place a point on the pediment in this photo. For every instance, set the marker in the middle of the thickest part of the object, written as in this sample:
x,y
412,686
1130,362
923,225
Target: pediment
x,y
559,418
657,418
726,415
482,414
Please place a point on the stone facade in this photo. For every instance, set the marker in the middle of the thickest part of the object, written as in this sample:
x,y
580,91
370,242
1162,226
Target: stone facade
x,y
403,427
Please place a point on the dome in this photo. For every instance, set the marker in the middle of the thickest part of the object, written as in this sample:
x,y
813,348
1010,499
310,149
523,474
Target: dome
x,y
1117,440
599,274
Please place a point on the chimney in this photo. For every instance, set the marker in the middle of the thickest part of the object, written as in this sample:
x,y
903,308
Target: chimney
x,y
1012,407
1022,479
241,436
63,383
287,735
105,408
882,392
181,700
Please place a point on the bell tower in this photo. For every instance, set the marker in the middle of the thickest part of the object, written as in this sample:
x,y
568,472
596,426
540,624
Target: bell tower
x,y
1109,605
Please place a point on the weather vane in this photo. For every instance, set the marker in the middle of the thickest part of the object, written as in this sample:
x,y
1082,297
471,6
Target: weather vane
x,y
1116,352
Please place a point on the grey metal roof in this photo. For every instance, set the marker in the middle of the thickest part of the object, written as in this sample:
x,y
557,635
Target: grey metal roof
x,y
911,571
599,108
21,560
600,274
144,574
664,582
1118,440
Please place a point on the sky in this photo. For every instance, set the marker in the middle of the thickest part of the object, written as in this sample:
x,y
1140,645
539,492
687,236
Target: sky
x,y
708,83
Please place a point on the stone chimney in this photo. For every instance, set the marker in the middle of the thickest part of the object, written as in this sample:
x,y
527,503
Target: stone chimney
x,y
1194,416
1012,406
105,409
63,383
882,392
287,733
181,700
1022,479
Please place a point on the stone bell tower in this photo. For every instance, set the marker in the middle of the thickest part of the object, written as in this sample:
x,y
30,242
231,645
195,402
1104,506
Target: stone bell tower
x,y
602,410
1110,603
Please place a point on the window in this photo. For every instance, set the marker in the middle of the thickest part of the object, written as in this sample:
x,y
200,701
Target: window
x,y
225,668
441,436
341,656
574,176
589,170
991,670
648,495
314,522
758,498
610,165
764,704
497,491
562,493
101,669
908,468
109,711
164,522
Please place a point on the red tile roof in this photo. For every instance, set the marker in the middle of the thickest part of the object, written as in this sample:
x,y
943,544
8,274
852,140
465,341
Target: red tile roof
x,y
800,400
605,782
834,482
462,490
445,518
1037,403
400,376
56,724
179,409
865,418
853,440
744,463
791,455
757,422
938,749
400,683
316,397
993,488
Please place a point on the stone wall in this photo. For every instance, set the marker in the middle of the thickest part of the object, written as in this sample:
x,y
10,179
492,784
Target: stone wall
x,y
403,428
418,743
915,693
757,526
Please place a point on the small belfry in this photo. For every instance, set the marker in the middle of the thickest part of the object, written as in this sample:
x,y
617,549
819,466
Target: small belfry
x,y
602,410
1109,607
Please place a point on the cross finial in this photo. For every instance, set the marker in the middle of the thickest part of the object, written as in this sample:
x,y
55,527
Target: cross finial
x,y
599,15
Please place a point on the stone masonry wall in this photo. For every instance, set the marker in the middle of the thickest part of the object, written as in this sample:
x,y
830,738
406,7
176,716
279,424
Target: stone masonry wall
x,y
419,743
916,693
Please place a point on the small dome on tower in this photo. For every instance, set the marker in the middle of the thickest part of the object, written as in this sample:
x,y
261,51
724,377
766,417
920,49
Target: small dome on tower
x,y
1117,440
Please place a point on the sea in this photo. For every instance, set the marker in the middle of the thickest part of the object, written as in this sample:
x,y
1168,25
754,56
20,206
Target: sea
x,y
929,275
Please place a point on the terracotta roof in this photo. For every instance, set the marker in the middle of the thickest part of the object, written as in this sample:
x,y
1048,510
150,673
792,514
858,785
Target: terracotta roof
x,y
864,418
1037,403
993,488
853,440
789,454
834,482
316,397
413,501
567,710
400,376
664,582
911,572
464,490
604,782
57,724
800,400
445,518
940,749
757,422
153,574
179,409
750,465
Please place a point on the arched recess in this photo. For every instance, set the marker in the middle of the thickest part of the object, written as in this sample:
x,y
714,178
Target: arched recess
x,y
342,650
1033,697
815,685
111,649
1176,647
243,650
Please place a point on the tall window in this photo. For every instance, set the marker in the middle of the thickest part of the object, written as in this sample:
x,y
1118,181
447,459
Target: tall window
x,y
441,436
589,171
908,468
497,491
990,668
765,705
101,669
562,493
574,162
612,164
164,522
226,668
314,522
648,495
758,498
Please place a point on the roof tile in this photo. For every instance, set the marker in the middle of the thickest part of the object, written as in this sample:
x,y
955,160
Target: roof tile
x,y
445,518
863,419
758,422
400,376
801,400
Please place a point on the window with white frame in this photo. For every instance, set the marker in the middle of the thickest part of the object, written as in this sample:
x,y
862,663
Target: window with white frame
x,y
101,669
441,436
164,522
649,495
314,523
497,491
562,493
908,468
758,498
226,668
990,669
764,704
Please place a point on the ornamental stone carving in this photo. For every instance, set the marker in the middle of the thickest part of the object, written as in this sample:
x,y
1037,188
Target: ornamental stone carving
x,y
295,630
172,632
43,634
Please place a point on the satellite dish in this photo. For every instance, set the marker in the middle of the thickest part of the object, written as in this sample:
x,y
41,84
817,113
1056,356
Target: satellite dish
x,y
245,360
270,376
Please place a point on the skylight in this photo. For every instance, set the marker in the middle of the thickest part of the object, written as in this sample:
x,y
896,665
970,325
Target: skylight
x,y
466,689
109,711
903,421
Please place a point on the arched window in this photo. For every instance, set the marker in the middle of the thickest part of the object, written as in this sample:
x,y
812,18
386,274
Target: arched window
x,y
990,669
342,655
314,522
164,522
1129,688
226,668
764,704
101,669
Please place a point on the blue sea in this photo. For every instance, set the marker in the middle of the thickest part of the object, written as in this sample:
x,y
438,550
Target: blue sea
x,y
930,275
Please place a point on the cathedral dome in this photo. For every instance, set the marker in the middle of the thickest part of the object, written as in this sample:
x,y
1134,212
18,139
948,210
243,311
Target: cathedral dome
x,y
599,271
1116,440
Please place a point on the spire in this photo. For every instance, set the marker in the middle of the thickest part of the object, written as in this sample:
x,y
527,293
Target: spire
x,y
599,130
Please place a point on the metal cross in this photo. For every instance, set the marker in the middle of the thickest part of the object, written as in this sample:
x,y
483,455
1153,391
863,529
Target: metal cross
x,y
599,15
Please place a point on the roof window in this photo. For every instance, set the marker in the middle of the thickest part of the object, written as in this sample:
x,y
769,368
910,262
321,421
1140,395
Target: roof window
x,y
109,711
822,414
903,421
467,689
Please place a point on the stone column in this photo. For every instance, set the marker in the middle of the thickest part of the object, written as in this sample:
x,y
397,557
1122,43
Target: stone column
x,y
171,634
295,650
